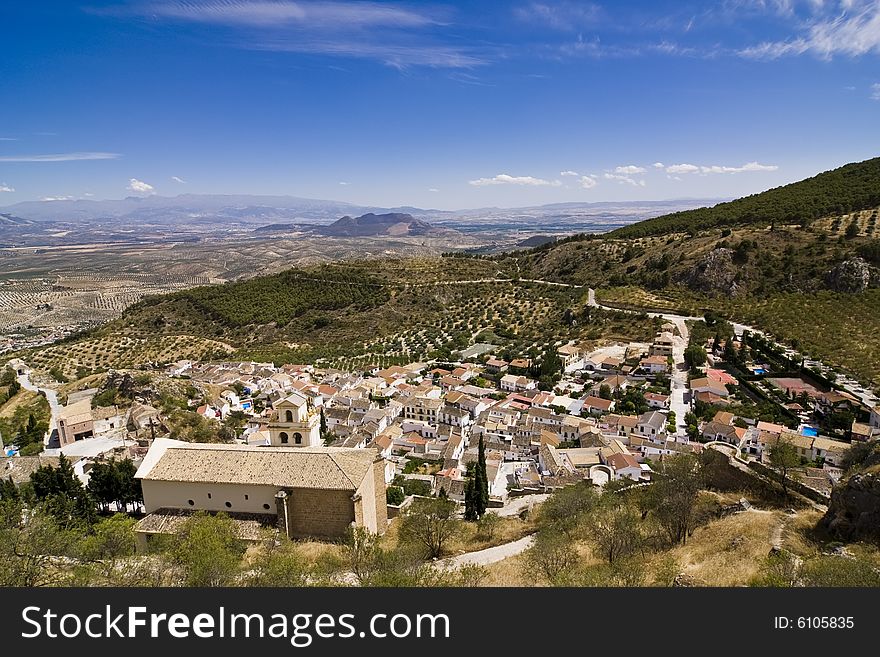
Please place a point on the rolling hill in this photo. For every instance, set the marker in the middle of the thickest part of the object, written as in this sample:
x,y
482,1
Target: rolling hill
x,y
850,188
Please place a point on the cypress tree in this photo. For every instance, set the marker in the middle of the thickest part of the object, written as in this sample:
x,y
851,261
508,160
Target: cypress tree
x,y
481,481
470,510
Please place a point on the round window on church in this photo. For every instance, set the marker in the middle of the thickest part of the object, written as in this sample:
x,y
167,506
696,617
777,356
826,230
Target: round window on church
x,y
190,502
267,507
229,505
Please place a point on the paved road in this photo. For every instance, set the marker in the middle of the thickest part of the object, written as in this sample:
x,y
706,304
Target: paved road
x,y
678,381
489,555
51,397
516,505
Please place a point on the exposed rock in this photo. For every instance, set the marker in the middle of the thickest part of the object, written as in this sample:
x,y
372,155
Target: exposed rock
x,y
684,580
853,275
854,510
716,273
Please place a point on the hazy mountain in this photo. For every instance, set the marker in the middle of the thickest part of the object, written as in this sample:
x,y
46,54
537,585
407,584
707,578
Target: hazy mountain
x,y
371,225
188,207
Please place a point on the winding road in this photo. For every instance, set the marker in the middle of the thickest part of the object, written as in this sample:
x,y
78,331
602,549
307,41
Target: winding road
x,y
51,397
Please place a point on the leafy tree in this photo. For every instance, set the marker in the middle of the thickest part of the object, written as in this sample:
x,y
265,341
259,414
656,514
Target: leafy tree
x,y
551,557
430,523
30,542
695,356
615,528
280,564
605,391
114,482
783,458
394,495
488,524
566,510
207,550
673,496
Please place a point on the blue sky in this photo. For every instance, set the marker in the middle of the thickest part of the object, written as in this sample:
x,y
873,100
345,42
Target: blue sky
x,y
445,105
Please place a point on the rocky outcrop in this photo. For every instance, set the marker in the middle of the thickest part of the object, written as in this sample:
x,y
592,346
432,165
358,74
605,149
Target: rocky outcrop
x,y
716,273
854,511
853,275
371,225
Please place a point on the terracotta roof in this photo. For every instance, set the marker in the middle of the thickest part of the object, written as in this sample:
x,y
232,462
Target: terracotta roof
x,y
620,461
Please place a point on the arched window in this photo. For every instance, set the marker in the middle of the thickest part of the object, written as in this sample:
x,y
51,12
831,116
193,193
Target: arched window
x,y
297,438
289,416
284,437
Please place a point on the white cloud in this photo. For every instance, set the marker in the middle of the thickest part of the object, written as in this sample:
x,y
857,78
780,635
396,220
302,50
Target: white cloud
x,y
682,168
344,182
569,173
715,168
433,189
6,188
875,91
852,29
139,186
624,179
658,165
629,170
178,180
59,157
270,13
57,198
588,182
505,179
382,31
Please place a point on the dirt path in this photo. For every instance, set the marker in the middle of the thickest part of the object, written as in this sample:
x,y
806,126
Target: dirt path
x,y
489,555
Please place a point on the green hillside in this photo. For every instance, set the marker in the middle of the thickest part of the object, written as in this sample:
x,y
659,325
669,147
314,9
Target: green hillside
x,y
850,188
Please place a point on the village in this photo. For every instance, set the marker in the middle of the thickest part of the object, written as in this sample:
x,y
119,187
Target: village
x,y
315,450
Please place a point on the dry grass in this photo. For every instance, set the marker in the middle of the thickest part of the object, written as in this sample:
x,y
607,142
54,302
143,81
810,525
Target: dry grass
x,y
23,398
508,530
729,551
509,572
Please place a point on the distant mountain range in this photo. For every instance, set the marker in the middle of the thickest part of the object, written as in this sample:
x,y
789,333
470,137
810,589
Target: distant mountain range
x,y
293,213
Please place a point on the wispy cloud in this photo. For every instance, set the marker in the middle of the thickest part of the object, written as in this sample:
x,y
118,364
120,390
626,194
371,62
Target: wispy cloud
x,y
505,179
178,180
658,165
59,157
705,170
849,28
139,186
433,189
8,138
6,188
623,178
344,182
396,35
57,198
875,91
272,13
569,173
563,16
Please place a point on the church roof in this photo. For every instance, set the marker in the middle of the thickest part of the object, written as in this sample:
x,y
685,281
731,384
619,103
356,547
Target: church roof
x,y
325,468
